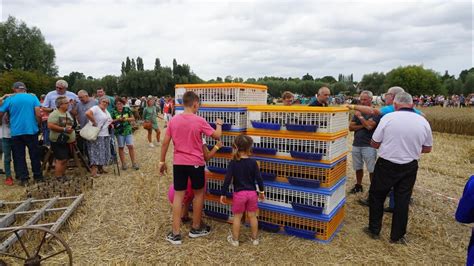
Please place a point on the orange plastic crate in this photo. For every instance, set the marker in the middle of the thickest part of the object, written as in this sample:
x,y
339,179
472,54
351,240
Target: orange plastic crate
x,y
323,231
327,176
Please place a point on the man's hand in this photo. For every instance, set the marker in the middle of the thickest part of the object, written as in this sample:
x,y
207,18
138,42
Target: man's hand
x,y
163,168
222,200
357,113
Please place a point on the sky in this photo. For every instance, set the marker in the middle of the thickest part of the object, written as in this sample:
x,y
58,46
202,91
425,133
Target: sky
x,y
253,38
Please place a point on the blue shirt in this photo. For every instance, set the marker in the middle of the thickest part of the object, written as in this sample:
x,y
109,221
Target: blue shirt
x,y
50,99
21,108
391,108
465,214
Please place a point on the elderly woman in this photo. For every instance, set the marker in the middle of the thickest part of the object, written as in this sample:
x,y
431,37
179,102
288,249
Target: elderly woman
x,y
122,117
62,135
150,115
99,149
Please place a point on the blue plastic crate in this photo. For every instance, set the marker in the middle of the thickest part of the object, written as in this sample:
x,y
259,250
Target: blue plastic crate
x,y
267,151
300,233
309,183
304,128
217,215
268,176
223,149
269,227
307,208
225,126
306,156
217,170
267,126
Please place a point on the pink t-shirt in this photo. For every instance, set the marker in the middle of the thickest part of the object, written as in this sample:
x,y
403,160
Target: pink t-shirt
x,y
186,132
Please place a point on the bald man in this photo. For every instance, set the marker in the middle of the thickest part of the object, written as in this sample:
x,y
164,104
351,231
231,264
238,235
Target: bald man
x,y
322,98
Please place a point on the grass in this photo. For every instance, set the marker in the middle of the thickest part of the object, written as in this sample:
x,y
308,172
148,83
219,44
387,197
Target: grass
x,y
451,120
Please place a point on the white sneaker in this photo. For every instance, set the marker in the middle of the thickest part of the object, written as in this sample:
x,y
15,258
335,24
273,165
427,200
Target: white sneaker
x,y
151,145
232,241
255,242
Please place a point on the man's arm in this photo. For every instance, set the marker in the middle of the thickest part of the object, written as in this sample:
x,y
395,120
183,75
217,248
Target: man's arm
x,y
365,109
375,144
218,132
38,114
426,149
354,127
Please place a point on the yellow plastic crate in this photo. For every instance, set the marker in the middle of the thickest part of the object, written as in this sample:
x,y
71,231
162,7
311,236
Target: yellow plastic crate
x,y
224,93
299,120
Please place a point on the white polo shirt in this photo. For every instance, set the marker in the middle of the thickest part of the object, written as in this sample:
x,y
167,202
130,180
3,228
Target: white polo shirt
x,y
401,135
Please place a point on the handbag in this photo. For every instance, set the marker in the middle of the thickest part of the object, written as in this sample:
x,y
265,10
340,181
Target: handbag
x,y
62,138
147,125
90,132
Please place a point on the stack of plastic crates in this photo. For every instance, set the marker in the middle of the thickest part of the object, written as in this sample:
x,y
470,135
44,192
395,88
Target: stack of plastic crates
x,y
302,155
226,101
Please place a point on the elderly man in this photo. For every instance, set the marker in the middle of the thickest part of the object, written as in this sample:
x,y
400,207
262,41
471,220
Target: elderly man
x,y
24,114
322,98
101,92
363,126
49,103
84,104
401,137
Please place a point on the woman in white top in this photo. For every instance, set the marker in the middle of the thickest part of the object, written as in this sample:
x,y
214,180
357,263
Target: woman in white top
x,y
99,149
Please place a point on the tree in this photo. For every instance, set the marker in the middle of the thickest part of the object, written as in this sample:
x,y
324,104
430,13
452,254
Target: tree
x,y
307,77
219,79
464,73
36,82
228,79
140,64
25,48
469,84
338,88
414,79
133,66
452,86
328,79
122,69
128,65
157,64
72,77
373,82
175,65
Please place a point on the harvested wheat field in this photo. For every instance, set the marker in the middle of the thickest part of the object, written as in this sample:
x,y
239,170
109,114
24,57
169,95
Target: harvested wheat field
x,y
124,219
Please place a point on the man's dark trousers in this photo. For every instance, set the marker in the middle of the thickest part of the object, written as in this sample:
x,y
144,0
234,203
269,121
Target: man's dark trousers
x,y
402,178
19,156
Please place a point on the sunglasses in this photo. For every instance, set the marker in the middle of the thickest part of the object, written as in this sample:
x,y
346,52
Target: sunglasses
x,y
105,102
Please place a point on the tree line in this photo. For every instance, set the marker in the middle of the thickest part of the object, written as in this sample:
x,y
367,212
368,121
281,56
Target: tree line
x,y
25,55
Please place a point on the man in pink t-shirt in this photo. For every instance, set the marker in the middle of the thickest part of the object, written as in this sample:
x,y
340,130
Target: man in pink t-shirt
x,y
186,132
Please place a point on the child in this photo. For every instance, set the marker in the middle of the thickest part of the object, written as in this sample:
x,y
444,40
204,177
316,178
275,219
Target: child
x,y
7,143
189,195
244,173
186,130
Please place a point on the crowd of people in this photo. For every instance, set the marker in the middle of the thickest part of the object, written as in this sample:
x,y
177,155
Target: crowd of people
x,y
55,120
388,141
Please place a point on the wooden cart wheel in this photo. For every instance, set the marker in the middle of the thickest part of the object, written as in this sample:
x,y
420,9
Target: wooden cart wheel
x,y
36,245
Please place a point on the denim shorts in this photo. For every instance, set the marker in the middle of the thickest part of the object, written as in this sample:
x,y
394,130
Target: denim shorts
x,y
124,140
361,155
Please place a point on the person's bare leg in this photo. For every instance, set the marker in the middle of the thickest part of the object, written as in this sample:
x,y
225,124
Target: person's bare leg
x,y
94,170
236,226
198,205
122,156
253,224
177,209
131,151
359,176
158,135
60,168
149,135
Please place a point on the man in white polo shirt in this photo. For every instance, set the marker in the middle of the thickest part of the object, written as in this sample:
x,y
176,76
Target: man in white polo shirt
x,y
401,137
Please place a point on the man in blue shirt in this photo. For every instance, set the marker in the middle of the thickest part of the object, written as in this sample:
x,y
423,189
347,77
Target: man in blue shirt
x,y
24,114
49,103
465,214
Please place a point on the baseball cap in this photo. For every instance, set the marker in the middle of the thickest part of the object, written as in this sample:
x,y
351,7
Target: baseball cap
x,y
19,85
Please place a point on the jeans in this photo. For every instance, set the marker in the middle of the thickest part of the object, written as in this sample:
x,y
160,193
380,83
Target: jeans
x,y
402,178
7,155
19,156
45,130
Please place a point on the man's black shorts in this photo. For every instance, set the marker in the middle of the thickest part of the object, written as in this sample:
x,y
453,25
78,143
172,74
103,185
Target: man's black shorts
x,y
181,173
60,151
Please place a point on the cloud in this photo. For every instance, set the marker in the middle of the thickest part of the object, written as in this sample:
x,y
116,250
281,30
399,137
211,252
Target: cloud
x,y
254,38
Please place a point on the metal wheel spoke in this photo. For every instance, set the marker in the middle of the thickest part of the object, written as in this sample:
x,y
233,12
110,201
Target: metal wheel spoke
x,y
22,244
41,244
11,255
55,254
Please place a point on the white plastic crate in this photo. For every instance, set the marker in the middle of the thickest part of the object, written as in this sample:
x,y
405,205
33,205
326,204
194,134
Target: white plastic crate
x,y
217,210
316,201
298,119
305,174
290,147
235,119
224,93
214,186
